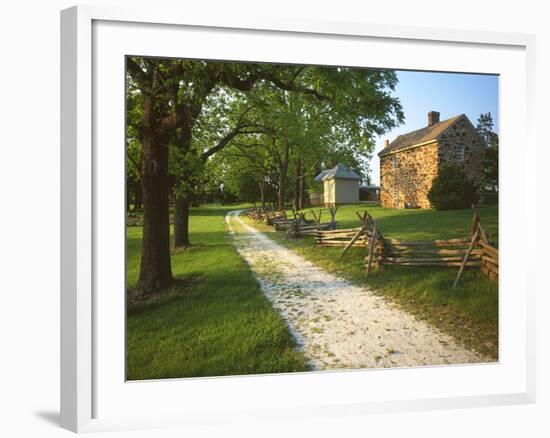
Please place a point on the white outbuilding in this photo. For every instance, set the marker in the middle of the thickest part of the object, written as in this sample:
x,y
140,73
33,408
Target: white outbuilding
x,y
340,185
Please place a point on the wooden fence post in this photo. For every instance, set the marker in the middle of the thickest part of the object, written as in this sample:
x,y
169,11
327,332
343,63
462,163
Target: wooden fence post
x,y
372,244
363,218
482,233
468,252
475,221
333,209
476,224
317,219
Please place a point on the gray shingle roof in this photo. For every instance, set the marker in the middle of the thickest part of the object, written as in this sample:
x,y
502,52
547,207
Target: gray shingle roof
x,y
320,176
339,171
423,135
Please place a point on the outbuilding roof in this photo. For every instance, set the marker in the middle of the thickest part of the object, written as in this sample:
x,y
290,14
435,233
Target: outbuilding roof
x,y
420,136
340,171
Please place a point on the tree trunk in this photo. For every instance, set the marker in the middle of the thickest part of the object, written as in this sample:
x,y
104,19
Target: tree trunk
x,y
181,222
281,193
155,271
301,192
282,180
296,203
183,203
138,203
128,195
262,192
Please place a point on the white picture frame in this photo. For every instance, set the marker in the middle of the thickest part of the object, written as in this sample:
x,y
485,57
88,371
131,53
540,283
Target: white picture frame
x,y
86,353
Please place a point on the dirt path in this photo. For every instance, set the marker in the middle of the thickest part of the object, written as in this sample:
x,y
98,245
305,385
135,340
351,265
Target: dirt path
x,y
338,324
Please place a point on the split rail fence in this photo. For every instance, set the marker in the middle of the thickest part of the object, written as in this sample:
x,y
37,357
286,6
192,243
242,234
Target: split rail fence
x,y
297,225
473,250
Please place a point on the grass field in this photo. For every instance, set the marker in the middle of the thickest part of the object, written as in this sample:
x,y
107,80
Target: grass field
x,y
469,312
215,320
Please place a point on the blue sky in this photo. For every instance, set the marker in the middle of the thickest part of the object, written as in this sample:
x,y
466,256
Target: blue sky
x,y
449,93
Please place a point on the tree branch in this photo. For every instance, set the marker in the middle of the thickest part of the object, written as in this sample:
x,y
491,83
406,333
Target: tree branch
x,y
227,139
135,70
293,86
233,81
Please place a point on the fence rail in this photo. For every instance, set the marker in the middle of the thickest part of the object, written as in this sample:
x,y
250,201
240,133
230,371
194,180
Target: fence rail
x,y
489,261
340,237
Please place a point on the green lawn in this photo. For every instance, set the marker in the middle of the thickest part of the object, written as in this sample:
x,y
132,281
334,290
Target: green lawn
x,y
469,312
416,224
214,321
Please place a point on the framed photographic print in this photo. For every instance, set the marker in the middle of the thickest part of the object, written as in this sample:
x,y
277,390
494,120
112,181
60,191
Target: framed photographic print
x,y
281,218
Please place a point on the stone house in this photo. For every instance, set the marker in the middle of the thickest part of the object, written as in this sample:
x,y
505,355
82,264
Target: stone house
x,y
340,185
409,164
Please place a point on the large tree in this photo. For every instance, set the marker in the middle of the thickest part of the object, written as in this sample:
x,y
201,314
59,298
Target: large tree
x,y
224,117
148,109
174,95
485,127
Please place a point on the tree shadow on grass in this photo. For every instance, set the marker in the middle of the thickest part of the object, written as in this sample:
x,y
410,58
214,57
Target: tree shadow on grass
x,y
180,287
220,211
209,238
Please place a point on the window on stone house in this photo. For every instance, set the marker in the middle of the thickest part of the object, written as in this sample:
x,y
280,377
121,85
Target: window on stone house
x,y
458,154
394,162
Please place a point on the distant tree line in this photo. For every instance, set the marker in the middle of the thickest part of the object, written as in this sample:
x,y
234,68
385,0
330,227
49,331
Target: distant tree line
x,y
485,127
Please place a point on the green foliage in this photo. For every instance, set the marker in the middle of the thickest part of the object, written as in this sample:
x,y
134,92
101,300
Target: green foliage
x,y
490,166
489,198
195,109
188,163
133,135
324,115
452,189
485,127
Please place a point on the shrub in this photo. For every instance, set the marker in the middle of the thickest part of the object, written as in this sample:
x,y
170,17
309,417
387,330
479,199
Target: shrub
x,y
489,198
452,189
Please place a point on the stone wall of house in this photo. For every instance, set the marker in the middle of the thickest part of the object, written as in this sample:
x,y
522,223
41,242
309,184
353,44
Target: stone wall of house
x,y
407,175
461,144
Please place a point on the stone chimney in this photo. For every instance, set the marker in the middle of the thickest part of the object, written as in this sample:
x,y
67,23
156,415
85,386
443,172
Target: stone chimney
x,y
386,143
433,118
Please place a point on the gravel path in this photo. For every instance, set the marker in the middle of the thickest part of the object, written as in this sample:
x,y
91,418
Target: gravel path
x,y
338,324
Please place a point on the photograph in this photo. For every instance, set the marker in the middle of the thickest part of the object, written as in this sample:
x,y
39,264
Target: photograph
x,y
285,218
